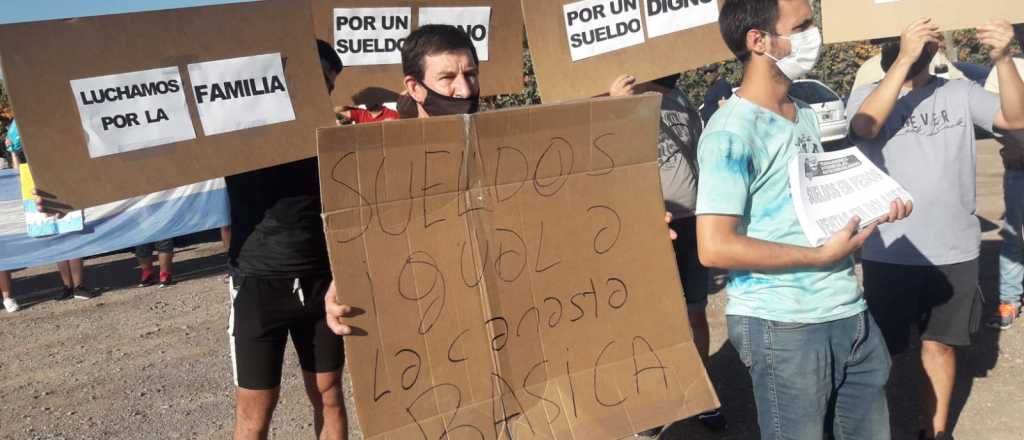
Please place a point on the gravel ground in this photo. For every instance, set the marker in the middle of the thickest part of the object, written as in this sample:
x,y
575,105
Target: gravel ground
x,y
153,363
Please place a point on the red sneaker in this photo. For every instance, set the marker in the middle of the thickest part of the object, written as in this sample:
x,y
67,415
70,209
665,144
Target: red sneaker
x,y
148,279
166,279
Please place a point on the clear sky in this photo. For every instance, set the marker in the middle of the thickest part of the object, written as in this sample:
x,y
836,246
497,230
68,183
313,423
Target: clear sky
x,y
16,11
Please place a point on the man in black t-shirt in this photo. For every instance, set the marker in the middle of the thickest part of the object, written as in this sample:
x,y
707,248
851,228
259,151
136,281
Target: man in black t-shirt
x,y
280,272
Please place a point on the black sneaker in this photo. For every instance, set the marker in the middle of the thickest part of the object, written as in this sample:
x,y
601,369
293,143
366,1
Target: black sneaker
x,y
67,294
940,436
714,421
82,292
650,433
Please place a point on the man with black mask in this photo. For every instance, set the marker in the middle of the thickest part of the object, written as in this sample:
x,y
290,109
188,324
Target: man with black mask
x,y
920,128
441,67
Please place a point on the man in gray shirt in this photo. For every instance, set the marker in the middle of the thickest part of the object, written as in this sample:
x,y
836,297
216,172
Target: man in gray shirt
x,y
920,129
680,130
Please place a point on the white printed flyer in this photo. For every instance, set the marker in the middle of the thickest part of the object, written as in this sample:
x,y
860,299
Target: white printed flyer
x,y
829,189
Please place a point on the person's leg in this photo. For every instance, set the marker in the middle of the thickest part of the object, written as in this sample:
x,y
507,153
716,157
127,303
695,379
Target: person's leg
x,y
254,409
696,280
939,362
64,267
1011,251
861,409
952,309
791,367
167,262
324,392
257,341
321,356
225,237
5,284
77,266
166,255
144,254
10,304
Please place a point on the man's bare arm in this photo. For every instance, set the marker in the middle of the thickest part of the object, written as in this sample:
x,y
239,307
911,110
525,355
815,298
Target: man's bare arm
x,y
871,117
999,36
719,244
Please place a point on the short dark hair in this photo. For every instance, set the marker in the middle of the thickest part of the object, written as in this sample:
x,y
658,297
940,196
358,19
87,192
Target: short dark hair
x,y
738,17
329,56
433,39
668,82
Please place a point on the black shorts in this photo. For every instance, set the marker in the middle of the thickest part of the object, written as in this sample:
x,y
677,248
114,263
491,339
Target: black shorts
x,y
263,313
695,277
162,246
943,302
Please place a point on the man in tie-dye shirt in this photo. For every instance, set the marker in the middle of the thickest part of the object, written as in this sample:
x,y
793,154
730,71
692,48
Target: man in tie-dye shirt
x,y
796,314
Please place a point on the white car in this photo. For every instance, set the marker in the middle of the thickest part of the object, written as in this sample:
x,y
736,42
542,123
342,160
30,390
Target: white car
x,y
827,104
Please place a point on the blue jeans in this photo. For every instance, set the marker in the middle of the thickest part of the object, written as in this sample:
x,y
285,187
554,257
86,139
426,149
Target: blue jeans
x,y
1011,253
804,373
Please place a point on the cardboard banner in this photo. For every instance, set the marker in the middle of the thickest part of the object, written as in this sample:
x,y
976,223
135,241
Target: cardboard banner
x,y
512,273
143,102
888,18
368,35
589,43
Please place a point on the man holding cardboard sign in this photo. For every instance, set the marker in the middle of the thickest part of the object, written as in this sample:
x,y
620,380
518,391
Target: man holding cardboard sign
x,y
279,273
795,314
924,272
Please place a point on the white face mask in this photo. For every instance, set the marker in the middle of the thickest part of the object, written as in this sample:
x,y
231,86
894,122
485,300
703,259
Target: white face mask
x,y
805,49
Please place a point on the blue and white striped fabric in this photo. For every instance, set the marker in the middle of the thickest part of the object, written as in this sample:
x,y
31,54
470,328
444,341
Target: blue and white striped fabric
x,y
110,227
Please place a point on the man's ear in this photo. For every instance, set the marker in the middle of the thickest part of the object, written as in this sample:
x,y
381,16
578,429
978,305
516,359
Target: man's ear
x,y
415,89
757,42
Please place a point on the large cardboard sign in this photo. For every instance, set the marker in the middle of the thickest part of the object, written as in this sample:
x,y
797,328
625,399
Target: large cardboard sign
x,y
848,20
513,274
368,34
588,43
246,76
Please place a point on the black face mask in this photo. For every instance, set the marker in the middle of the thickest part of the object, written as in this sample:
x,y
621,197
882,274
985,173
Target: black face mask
x,y
437,104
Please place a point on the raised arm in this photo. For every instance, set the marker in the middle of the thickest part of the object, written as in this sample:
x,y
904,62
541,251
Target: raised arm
x,y
998,36
870,119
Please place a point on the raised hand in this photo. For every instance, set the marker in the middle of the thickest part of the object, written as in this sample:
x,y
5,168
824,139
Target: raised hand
x,y
622,86
915,37
997,35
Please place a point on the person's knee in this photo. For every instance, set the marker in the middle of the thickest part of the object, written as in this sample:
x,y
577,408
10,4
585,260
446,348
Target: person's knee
x,y
330,395
254,408
936,349
325,391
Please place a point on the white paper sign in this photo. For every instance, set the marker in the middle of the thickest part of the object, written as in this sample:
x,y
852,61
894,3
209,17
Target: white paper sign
x,y
828,189
371,36
240,93
594,27
474,21
132,111
668,16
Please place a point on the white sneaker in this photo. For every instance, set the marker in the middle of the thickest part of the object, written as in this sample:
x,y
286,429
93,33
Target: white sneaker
x,y
11,305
